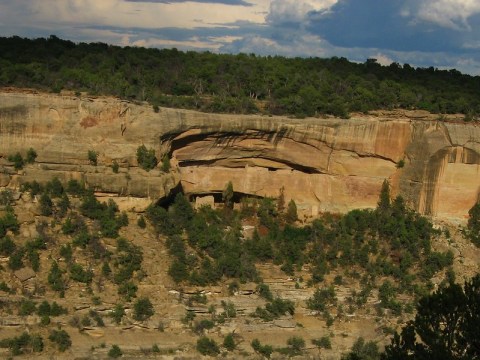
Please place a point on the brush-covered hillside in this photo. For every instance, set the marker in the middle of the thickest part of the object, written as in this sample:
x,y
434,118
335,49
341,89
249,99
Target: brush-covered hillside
x,y
81,278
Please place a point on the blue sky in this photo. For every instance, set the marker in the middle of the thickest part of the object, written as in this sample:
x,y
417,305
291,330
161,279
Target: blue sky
x,y
439,33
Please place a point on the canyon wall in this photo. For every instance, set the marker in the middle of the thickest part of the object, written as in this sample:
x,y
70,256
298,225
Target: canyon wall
x,y
323,164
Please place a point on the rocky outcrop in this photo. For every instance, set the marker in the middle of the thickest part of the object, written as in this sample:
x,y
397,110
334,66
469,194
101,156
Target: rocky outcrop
x,y
324,164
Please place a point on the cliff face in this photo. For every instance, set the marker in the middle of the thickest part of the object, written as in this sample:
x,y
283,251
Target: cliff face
x,y
324,164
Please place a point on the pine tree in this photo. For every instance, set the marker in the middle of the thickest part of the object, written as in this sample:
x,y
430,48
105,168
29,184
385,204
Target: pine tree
x,y
281,201
291,216
227,195
473,224
384,200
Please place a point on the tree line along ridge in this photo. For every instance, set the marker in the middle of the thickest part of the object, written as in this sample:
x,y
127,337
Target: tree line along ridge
x,y
243,83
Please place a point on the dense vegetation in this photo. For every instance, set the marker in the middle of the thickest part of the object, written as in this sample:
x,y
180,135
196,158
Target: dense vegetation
x,y
86,228
234,83
388,249
473,225
388,241
383,252
446,326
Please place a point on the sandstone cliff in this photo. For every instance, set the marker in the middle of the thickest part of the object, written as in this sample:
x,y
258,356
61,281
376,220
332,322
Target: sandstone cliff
x,y
324,164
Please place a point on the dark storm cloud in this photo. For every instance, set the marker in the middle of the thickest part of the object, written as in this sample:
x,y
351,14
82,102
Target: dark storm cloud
x,y
390,25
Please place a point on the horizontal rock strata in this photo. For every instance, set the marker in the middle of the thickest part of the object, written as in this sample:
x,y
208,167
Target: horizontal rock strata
x,y
323,164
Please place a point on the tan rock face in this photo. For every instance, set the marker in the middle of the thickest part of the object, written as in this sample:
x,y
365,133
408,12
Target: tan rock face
x,y
324,164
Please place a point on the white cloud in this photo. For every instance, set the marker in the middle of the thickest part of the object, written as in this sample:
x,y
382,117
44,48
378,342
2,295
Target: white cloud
x,y
294,11
453,14
472,45
119,13
298,43
382,59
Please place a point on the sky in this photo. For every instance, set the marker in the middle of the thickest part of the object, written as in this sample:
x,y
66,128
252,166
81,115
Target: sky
x,y
444,34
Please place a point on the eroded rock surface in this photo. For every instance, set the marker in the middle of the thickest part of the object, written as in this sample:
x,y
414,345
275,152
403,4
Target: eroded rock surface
x,y
324,164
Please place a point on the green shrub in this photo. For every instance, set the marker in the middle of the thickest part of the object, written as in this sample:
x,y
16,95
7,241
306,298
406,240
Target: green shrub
x,y
7,246
8,222
129,259
106,269
15,261
229,310
82,239
57,310
77,273
17,160
207,346
104,213
115,352
264,291
264,350
166,166
34,259
365,350
55,188
75,188
178,271
141,222
324,342
26,307
46,205
387,295
189,316
61,338
128,290
63,205
274,309
198,298
97,317
473,224
45,309
6,197
34,188
45,320
202,325
55,278
66,252
36,244
24,343
31,156
91,207
142,309
291,215
115,167
117,313
92,157
86,321
295,346
4,287
233,287
322,298
229,342
146,158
